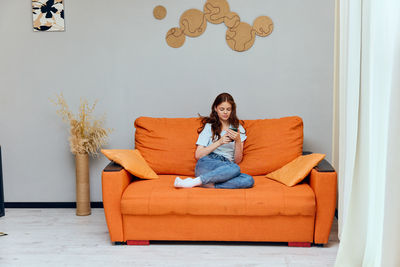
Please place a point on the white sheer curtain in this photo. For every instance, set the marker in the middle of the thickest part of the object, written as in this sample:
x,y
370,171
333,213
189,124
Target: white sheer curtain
x,y
369,133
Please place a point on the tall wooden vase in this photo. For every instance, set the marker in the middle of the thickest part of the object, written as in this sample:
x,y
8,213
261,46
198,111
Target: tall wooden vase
x,y
82,184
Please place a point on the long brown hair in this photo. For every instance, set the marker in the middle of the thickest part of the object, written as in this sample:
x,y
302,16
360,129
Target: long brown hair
x,y
213,119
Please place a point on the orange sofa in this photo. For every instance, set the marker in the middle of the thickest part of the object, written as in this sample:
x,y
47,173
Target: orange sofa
x,y
139,210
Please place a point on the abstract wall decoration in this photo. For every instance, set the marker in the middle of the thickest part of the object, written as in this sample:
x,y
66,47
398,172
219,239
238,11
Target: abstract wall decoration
x,y
216,10
263,26
232,20
175,37
193,23
240,36
159,12
48,15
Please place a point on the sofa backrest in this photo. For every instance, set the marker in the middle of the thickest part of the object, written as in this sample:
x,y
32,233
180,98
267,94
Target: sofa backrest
x,y
169,144
270,144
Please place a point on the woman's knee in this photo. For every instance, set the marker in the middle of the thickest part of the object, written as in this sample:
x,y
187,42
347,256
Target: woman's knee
x,y
201,166
235,170
247,181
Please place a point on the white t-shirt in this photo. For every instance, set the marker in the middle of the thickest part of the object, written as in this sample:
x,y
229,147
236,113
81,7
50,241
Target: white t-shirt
x,y
226,150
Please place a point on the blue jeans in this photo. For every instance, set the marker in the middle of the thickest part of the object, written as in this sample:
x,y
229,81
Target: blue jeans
x,y
222,172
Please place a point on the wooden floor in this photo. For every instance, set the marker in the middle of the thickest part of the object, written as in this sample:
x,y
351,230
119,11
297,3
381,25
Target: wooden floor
x,y
57,237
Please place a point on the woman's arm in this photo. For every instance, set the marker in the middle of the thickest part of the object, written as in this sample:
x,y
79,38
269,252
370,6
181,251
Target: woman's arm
x,y
238,145
202,151
238,152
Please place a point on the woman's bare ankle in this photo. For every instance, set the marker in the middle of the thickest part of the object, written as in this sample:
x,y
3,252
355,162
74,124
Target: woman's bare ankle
x,y
209,185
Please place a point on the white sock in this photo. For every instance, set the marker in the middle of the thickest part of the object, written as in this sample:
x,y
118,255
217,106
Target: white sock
x,y
177,180
187,183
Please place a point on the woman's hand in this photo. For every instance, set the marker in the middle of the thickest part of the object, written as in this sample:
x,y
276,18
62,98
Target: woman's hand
x,y
225,139
235,136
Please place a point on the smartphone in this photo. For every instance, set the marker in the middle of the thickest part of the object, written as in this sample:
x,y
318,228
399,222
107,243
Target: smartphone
x,y
233,129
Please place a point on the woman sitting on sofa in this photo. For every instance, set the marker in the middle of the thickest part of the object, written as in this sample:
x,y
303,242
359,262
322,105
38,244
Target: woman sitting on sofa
x,y
219,149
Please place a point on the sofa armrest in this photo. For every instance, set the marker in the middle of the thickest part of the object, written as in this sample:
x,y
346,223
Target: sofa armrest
x,y
115,179
324,166
113,167
323,181
324,185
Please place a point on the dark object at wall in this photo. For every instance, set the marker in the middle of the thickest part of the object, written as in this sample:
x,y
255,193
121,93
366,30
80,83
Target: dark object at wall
x,y
2,213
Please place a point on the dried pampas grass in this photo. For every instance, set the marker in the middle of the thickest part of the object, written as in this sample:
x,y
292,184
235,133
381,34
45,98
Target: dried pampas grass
x,y
87,134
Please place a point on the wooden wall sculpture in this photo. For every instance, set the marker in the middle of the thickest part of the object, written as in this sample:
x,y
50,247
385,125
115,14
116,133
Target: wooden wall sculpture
x,y
175,37
193,23
240,36
159,12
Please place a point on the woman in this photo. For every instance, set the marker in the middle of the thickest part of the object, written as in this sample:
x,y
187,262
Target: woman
x,y
219,149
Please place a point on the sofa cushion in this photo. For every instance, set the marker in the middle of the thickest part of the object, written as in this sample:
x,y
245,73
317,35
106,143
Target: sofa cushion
x,y
266,198
270,144
168,144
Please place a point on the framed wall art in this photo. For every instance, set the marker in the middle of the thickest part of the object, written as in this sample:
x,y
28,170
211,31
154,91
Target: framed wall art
x,y
48,15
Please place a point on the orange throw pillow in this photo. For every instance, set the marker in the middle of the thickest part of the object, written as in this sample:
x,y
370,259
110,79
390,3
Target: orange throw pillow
x,y
132,161
296,170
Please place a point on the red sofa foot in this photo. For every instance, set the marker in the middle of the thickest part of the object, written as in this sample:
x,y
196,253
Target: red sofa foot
x,y
299,244
138,242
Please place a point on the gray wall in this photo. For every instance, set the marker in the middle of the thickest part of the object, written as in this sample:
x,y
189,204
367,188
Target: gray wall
x,y
115,51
